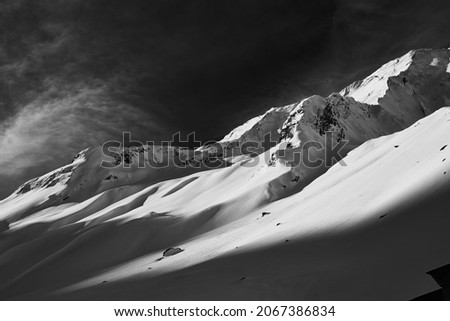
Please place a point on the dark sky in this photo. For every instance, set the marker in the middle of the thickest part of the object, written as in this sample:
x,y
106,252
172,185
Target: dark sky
x,y
75,73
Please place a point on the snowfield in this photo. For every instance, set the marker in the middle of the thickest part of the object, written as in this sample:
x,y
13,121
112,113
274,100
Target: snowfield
x,y
375,86
259,228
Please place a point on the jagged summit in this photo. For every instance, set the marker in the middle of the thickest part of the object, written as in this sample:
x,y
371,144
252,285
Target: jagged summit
x,y
407,88
412,86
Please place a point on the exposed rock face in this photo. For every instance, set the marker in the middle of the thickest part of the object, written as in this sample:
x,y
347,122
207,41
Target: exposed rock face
x,y
412,86
392,98
60,175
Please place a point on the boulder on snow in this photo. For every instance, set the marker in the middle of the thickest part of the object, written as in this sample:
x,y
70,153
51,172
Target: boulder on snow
x,y
172,251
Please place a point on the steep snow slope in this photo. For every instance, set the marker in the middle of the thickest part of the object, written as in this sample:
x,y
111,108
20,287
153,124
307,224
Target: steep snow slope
x,y
392,98
375,86
251,138
406,89
399,92
64,234
409,87
240,130
120,175
334,240
257,127
39,190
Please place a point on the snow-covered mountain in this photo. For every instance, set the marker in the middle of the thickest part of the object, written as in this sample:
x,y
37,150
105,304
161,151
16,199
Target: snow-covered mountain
x,y
259,225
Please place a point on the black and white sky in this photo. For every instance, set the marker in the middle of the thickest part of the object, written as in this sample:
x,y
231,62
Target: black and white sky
x,y
75,73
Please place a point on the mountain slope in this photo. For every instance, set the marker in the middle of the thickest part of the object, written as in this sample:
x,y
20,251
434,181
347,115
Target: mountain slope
x,y
401,102
222,223
412,86
266,225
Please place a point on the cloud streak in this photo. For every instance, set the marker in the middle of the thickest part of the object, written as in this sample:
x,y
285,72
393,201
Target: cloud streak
x,y
44,135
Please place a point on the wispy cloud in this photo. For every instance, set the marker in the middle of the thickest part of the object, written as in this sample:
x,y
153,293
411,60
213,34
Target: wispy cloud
x,y
43,135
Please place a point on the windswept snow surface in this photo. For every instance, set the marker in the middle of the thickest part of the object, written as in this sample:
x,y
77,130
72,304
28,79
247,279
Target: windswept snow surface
x,y
373,224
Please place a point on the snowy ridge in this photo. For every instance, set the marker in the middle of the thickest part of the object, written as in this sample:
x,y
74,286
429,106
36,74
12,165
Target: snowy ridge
x,y
260,227
257,127
375,86
240,130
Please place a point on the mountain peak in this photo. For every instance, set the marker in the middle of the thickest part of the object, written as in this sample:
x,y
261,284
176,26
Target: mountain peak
x,y
373,87
429,63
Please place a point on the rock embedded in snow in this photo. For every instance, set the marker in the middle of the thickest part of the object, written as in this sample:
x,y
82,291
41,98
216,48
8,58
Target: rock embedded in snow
x,y
172,251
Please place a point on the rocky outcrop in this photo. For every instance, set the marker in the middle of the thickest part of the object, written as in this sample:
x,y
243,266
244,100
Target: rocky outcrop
x,y
172,251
